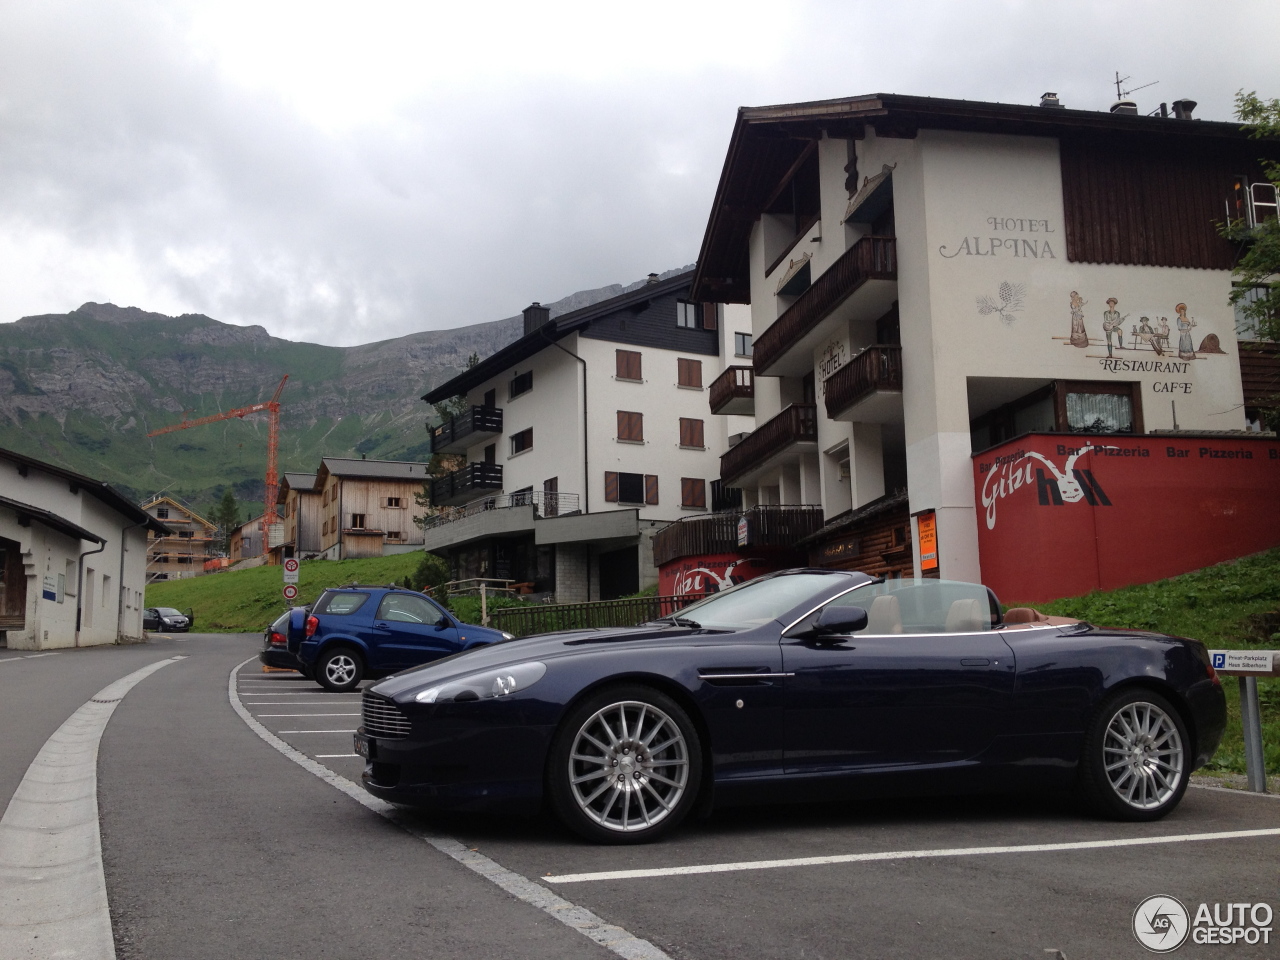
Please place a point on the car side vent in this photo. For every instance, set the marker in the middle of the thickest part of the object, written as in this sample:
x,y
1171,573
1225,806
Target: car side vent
x,y
382,718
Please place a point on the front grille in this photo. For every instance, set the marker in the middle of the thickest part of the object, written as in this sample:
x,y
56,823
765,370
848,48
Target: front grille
x,y
382,718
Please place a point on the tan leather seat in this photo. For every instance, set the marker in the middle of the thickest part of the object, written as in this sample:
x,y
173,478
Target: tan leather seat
x,y
1024,615
966,616
885,615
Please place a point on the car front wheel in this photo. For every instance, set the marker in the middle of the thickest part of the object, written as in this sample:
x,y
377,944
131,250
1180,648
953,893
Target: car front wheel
x,y
625,766
339,670
1137,757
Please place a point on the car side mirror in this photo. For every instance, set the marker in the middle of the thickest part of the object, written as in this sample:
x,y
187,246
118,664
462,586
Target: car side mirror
x,y
444,623
839,621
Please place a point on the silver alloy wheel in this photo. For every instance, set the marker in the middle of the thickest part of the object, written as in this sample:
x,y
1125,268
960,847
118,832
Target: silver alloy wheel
x,y
629,766
1142,755
340,669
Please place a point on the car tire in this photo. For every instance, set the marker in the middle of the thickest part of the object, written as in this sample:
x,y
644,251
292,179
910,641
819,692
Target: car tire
x,y
1137,757
625,766
339,669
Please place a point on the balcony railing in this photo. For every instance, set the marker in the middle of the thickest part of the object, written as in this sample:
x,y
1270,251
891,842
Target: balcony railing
x,y
871,258
798,423
544,505
466,429
874,369
767,526
466,484
734,391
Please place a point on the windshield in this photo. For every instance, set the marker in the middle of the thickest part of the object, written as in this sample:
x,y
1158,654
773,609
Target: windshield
x,y
756,602
168,612
923,606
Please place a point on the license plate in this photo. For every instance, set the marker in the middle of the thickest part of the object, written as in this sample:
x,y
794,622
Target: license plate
x,y
365,747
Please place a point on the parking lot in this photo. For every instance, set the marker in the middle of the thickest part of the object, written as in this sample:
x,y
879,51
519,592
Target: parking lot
x,y
218,843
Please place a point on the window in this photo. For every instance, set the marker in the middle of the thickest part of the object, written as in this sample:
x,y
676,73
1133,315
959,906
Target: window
x,y
630,488
162,513
186,534
742,344
686,314
521,383
693,493
393,535
689,373
691,433
357,521
491,453
629,365
340,604
630,426
522,441
405,608
394,503
551,497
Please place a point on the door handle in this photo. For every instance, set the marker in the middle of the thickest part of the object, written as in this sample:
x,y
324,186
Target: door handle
x,y
379,625
975,662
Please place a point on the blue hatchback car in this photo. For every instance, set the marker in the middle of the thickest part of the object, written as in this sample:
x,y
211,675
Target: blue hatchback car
x,y
356,632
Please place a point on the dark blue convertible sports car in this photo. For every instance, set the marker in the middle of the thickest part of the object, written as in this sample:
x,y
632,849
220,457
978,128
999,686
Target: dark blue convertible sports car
x,y
806,684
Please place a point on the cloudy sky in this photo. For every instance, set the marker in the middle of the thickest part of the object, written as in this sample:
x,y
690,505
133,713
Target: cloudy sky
x,y
347,172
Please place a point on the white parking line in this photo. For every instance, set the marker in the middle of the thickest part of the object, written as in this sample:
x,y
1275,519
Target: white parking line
x,y
330,756
31,656
901,855
608,935
304,703
316,731
308,715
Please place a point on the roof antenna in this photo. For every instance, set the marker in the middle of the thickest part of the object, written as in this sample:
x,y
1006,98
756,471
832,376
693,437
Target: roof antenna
x,y
1122,94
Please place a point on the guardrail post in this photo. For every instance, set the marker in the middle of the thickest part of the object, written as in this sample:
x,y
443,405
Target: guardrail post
x,y
484,606
1251,722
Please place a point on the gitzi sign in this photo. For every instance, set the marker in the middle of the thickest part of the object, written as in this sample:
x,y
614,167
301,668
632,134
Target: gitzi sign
x,y
1054,487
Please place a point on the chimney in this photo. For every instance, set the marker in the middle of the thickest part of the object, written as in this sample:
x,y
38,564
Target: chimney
x,y
1127,107
1182,109
1050,100
653,278
535,317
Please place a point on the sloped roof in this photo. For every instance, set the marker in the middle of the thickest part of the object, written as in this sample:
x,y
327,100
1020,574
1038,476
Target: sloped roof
x,y
379,469
26,512
551,331
301,482
98,489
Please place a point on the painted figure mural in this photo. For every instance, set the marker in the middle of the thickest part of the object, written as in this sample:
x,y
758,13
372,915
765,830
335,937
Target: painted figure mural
x,y
1113,324
1078,336
1186,349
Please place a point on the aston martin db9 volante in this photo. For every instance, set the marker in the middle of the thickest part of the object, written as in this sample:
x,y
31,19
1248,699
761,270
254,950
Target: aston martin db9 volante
x,y
801,685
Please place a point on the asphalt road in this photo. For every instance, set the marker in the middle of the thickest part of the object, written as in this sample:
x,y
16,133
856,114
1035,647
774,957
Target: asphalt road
x,y
216,844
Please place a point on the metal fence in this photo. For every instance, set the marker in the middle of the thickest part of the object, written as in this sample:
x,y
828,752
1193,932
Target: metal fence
x,y
545,503
549,618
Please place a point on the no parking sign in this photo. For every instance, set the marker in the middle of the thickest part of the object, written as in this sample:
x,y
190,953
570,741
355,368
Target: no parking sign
x,y
290,567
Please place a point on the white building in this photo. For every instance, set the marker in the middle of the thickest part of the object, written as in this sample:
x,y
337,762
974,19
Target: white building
x,y
73,558
585,436
928,278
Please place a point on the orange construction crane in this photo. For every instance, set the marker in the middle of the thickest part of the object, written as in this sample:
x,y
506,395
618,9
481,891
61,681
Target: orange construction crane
x,y
272,408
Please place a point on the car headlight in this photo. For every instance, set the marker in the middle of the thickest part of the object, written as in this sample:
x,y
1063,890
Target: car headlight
x,y
498,682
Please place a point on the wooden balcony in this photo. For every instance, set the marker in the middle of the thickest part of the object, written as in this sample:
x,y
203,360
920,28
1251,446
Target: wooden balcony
x,y
867,389
773,442
458,433
734,392
472,481
871,258
768,527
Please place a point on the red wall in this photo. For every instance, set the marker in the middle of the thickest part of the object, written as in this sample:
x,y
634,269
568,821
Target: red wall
x,y
712,573
1136,510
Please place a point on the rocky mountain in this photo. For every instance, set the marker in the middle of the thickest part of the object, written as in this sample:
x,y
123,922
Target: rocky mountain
x,y
83,389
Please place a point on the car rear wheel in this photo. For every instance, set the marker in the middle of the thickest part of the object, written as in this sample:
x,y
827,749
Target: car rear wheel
x,y
625,766
1137,757
339,670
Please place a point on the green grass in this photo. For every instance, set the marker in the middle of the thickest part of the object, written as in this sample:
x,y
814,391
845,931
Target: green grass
x,y
247,600
1218,605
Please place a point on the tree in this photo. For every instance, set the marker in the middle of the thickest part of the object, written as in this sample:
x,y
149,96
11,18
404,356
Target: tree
x,y
1258,292
227,516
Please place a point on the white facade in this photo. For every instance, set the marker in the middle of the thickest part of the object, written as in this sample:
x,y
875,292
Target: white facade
x,y
989,308
62,573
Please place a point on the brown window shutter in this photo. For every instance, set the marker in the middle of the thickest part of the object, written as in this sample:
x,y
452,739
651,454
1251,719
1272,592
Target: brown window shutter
x,y
610,487
650,489
628,365
709,316
690,372
693,492
686,491
630,425
697,434
690,432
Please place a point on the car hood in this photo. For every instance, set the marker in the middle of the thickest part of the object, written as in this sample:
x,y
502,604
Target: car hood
x,y
546,646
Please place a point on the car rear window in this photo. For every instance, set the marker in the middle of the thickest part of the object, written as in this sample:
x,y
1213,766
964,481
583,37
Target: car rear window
x,y
341,604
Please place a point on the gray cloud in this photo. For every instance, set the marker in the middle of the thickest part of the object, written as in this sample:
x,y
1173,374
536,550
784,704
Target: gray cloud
x,y
133,169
